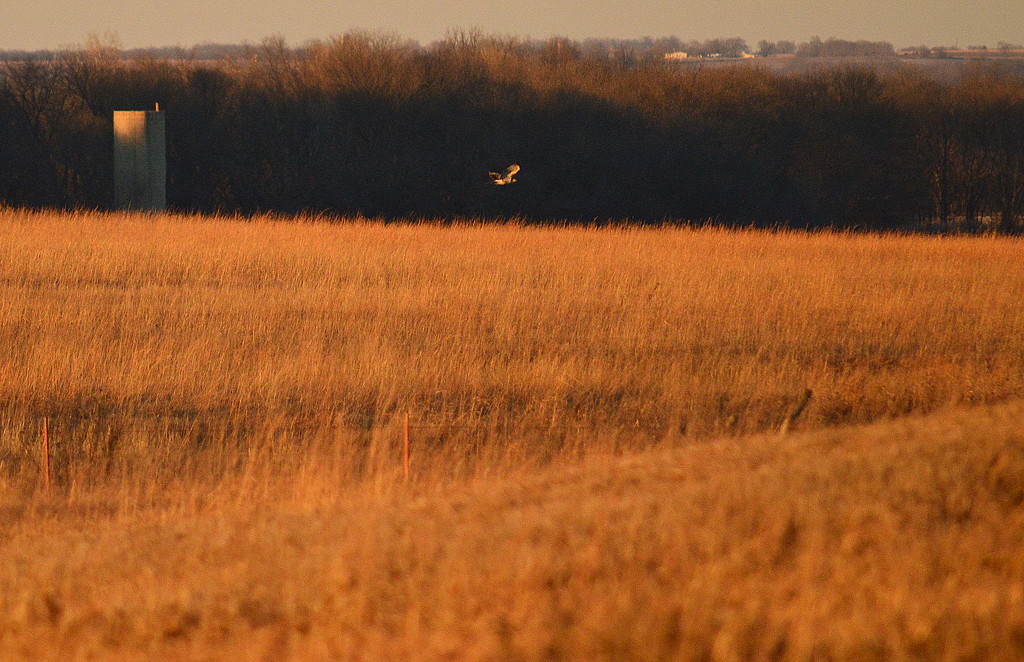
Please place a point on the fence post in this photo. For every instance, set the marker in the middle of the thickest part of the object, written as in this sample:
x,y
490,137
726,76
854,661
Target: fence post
x,y
405,446
46,454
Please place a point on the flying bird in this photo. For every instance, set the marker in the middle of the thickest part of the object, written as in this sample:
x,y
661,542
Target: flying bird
x,y
506,177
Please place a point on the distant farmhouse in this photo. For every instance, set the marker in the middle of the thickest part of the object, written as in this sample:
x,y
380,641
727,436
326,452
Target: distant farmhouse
x,y
681,55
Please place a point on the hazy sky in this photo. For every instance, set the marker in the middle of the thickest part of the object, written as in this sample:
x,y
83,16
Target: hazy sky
x,y
35,24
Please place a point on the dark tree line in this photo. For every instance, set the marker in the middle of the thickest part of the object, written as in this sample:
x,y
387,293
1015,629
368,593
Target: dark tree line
x,y
833,47
379,126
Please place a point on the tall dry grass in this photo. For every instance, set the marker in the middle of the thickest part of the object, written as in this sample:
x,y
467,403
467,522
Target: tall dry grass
x,y
224,400
151,340
898,541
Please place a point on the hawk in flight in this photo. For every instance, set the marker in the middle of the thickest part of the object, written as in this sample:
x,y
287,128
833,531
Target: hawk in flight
x,y
506,177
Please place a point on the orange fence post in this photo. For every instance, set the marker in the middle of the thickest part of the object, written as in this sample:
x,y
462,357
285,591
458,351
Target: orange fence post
x,y
46,454
405,446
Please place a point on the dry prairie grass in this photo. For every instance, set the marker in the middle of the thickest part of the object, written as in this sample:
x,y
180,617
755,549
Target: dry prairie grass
x,y
223,396
896,541
206,329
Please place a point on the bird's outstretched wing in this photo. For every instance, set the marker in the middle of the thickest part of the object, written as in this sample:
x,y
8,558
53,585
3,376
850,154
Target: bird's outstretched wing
x,y
506,177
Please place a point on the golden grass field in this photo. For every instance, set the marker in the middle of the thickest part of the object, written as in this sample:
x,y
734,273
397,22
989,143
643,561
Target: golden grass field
x,y
596,472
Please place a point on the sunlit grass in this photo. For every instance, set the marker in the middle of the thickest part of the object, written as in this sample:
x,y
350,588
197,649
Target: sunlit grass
x,y
596,472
